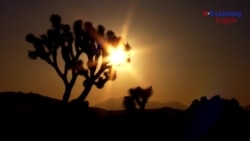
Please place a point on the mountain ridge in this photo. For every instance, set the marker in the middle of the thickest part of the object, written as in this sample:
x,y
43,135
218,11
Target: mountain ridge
x,y
13,98
116,104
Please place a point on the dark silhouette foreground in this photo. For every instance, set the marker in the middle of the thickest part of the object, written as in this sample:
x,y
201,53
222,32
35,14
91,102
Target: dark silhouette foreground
x,y
205,119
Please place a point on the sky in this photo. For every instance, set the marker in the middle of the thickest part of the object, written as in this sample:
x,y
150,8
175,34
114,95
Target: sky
x,y
179,47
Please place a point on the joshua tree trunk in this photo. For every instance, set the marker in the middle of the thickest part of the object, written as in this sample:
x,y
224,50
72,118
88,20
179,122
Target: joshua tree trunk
x,y
142,107
68,87
67,93
85,92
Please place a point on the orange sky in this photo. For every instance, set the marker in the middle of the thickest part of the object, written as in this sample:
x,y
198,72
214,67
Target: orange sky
x,y
182,54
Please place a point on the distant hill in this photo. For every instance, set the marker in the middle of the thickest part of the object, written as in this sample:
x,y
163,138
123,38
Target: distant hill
x,y
116,104
32,101
27,102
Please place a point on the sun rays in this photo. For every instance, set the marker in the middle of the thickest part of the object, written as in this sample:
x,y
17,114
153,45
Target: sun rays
x,y
118,55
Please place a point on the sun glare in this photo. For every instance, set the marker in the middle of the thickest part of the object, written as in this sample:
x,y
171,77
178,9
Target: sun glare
x,y
117,56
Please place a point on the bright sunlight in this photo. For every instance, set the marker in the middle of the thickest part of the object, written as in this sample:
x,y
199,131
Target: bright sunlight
x,y
117,55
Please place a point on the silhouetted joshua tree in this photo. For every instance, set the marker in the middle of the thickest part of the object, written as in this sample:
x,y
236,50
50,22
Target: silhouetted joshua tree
x,y
129,104
137,96
84,39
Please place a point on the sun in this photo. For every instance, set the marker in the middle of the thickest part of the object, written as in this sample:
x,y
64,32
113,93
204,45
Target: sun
x,y
117,55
